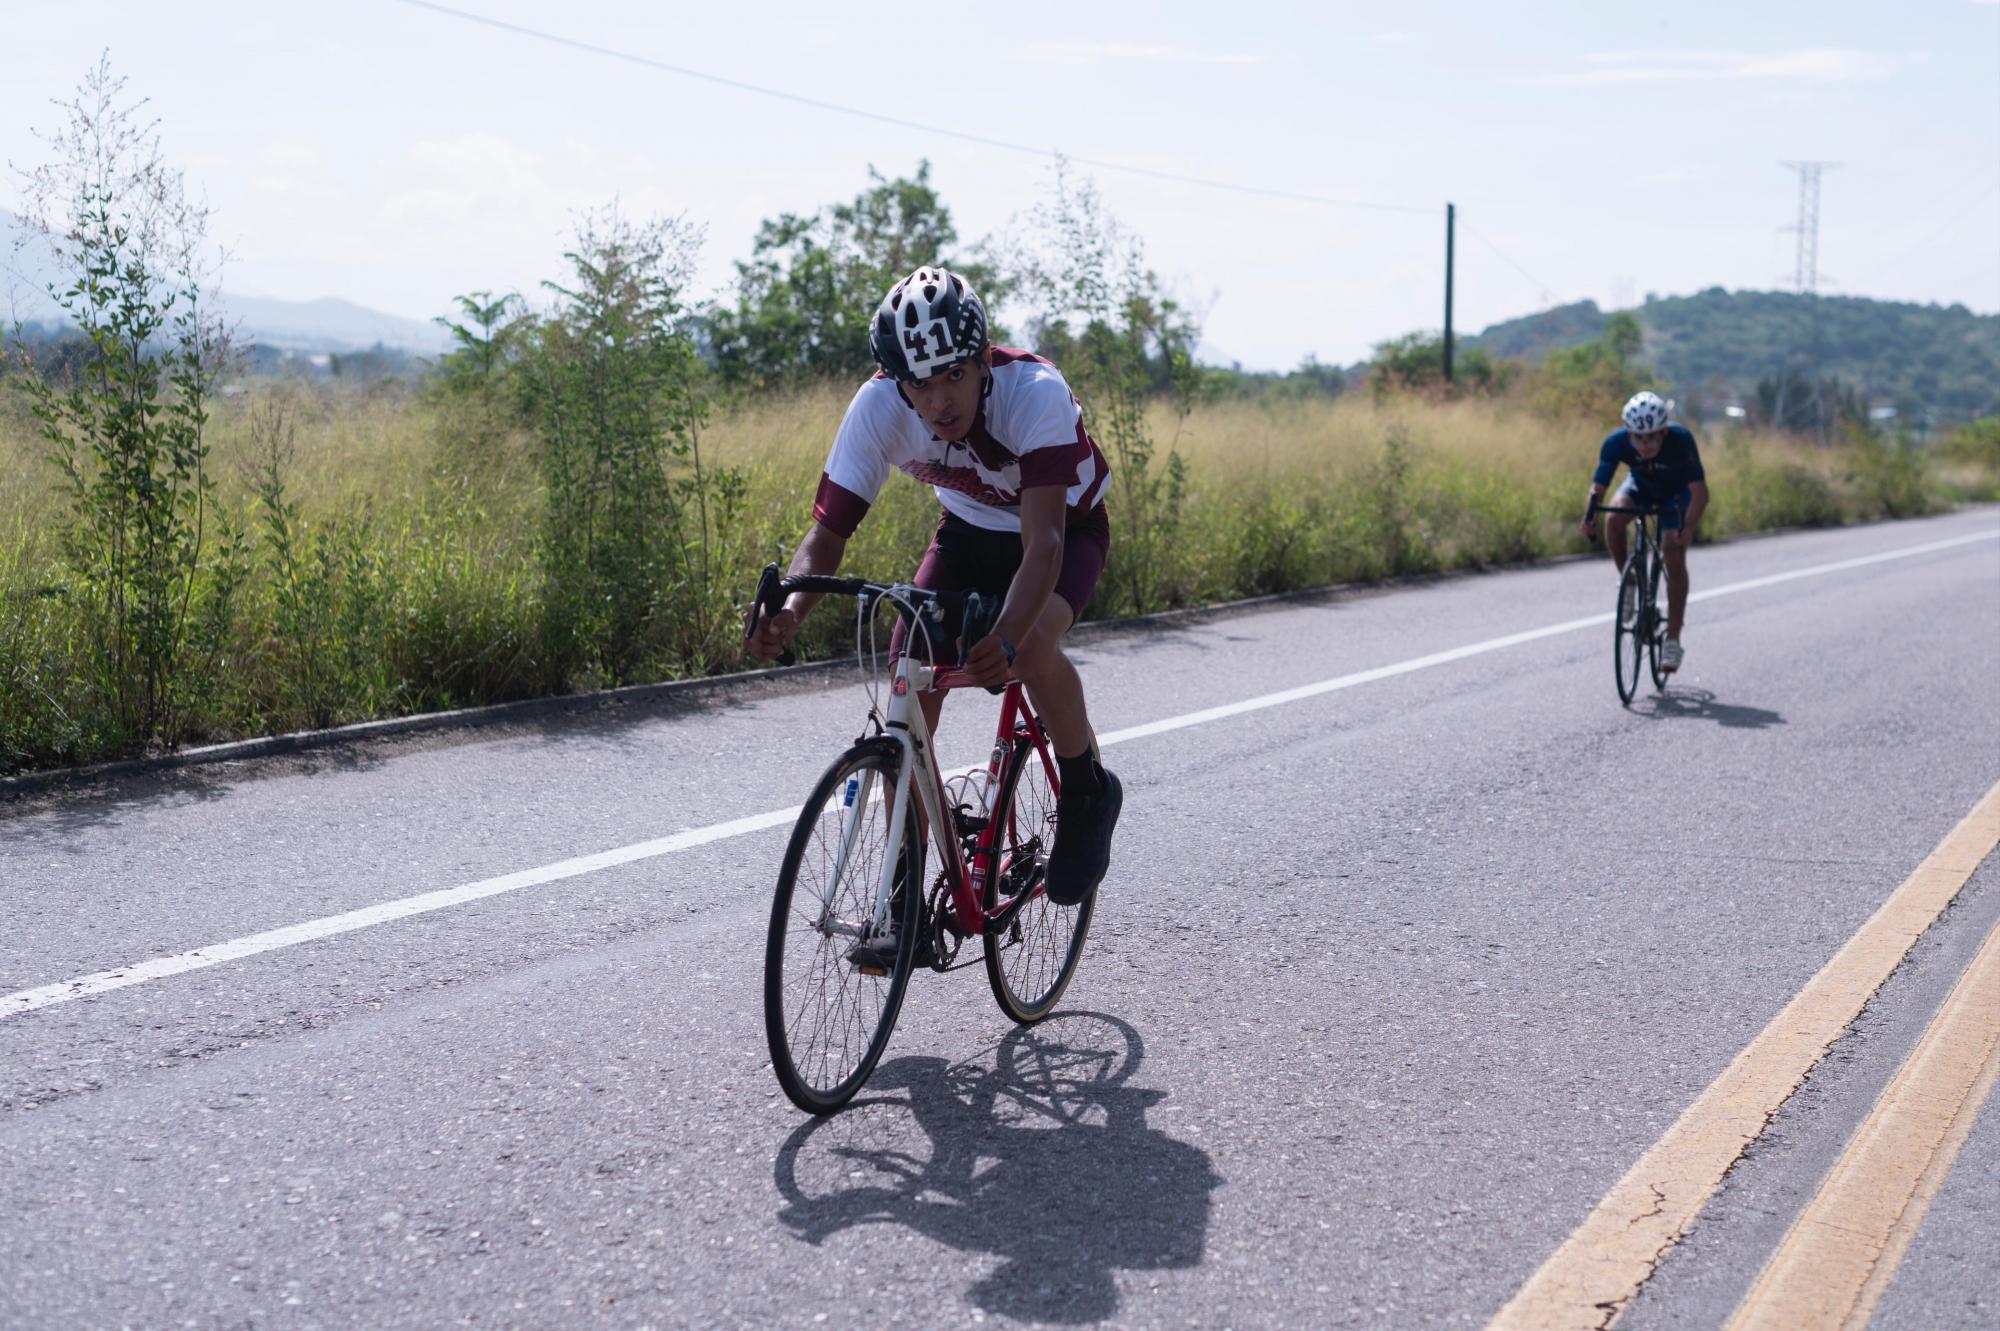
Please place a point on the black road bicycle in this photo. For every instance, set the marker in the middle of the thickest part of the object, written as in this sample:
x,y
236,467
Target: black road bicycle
x,y
1639,628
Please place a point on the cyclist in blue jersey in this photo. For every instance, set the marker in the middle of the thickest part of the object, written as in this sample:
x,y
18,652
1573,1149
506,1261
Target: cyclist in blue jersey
x,y
1663,467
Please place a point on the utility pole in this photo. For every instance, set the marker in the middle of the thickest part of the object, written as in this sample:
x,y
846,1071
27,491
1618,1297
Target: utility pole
x,y
1805,281
1450,225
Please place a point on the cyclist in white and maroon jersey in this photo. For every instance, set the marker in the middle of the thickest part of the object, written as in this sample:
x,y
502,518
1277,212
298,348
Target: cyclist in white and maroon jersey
x,y
1000,437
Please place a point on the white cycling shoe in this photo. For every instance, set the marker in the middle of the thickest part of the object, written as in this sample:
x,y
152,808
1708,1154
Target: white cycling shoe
x,y
1671,655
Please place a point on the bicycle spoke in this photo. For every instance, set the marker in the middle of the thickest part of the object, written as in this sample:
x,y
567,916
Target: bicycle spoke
x,y
826,1019
1031,962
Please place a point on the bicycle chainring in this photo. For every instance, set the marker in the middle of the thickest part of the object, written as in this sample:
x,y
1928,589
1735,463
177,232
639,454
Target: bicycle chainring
x,y
945,940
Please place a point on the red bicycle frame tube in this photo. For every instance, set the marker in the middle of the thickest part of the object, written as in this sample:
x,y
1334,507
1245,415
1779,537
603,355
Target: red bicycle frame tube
x,y
968,879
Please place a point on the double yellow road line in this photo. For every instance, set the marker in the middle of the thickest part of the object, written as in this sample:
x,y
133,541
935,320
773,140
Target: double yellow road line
x,y
1841,1254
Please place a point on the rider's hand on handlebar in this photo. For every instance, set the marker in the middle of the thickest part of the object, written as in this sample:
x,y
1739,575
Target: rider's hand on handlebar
x,y
1588,526
772,635
986,664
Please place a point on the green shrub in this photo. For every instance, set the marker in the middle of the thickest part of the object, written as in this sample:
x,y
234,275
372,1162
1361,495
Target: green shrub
x,y
1596,378
1970,458
49,715
1757,495
632,518
153,565
1890,477
1091,274
467,623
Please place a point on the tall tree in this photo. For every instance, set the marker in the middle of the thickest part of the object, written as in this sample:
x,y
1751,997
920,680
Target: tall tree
x,y
810,287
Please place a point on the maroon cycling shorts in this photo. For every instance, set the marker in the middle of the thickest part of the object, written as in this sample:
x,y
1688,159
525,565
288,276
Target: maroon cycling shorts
x,y
965,558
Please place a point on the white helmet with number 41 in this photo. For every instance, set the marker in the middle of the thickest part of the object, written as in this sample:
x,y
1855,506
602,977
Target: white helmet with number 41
x,y
929,321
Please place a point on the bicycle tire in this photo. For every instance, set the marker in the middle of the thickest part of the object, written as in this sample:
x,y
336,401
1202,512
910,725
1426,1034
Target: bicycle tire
x,y
1626,626
813,1026
1031,962
1658,636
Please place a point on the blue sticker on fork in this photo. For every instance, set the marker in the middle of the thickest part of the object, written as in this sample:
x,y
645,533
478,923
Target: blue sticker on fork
x,y
853,789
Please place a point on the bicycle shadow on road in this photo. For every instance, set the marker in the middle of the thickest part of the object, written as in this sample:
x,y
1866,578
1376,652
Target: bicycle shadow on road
x,y
1688,703
1037,1151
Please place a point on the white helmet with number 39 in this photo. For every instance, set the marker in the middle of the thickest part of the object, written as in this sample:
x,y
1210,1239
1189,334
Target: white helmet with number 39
x,y
1645,413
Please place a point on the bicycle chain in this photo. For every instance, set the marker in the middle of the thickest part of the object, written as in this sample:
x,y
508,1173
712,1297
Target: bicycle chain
x,y
945,941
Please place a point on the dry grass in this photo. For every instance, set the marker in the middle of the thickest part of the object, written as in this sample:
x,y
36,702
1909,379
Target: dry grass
x,y
1280,495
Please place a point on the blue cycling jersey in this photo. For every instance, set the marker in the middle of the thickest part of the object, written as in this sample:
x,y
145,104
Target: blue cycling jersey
x,y
1675,467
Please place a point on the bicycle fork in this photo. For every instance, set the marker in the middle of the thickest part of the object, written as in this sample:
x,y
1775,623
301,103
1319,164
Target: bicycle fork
x,y
855,801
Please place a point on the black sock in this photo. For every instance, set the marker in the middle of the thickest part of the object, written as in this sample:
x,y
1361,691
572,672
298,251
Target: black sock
x,y
1079,774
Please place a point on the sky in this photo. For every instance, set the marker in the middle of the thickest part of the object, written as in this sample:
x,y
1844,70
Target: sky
x,y
396,156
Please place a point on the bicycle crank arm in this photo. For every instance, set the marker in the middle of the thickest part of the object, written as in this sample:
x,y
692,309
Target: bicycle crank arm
x,y
996,923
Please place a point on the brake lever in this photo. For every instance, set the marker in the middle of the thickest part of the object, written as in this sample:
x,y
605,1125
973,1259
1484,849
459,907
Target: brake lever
x,y
974,616
770,599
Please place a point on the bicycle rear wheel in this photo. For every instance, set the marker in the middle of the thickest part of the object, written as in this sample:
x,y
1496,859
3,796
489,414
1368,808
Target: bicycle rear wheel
x,y
1628,626
827,1021
1031,961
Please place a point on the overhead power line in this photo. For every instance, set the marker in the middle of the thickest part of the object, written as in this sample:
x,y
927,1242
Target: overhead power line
x,y
1971,202
800,99
1547,291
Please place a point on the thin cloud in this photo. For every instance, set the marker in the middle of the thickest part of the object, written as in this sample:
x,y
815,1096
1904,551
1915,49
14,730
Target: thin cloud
x,y
1819,64
1098,53
1675,175
1398,38
296,171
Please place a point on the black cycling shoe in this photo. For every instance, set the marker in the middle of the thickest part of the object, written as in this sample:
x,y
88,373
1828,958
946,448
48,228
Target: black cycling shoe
x,y
1082,851
877,955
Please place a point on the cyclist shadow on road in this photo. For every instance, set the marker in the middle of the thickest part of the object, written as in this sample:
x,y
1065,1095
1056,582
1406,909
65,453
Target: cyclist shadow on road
x,y
1700,705
1037,1151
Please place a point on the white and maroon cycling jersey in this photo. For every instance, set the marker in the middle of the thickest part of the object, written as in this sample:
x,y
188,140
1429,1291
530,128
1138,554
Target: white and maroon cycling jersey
x,y
1029,433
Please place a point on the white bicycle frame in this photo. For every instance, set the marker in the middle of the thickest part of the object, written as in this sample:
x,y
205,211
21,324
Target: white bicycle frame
x,y
905,724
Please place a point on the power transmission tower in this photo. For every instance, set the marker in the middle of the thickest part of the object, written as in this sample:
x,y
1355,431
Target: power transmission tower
x,y
1805,277
1805,281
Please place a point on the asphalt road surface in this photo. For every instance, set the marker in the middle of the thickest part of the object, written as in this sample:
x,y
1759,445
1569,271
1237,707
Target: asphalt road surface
x,y
1390,984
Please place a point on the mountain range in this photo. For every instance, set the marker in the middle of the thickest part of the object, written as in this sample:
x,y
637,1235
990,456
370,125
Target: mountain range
x,y
1939,362
299,327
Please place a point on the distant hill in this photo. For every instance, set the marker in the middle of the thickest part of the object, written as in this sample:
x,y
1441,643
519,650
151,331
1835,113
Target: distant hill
x,y
1942,361
1538,334
329,324
301,327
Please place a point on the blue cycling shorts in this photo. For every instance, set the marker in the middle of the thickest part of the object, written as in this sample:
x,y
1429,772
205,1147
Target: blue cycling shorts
x,y
1673,507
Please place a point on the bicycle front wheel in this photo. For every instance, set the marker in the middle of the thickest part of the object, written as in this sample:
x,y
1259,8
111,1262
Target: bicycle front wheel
x,y
1629,628
1658,637
826,1019
1031,961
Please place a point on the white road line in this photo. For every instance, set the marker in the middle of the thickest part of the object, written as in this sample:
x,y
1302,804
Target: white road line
x,y
159,967
28,1000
